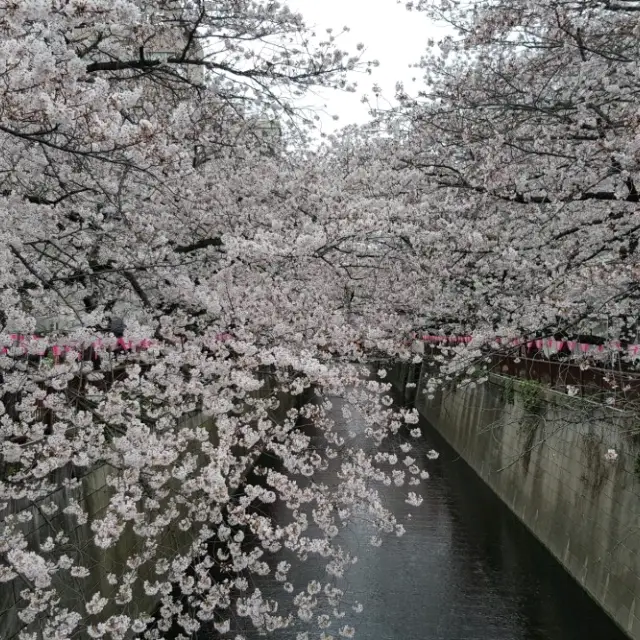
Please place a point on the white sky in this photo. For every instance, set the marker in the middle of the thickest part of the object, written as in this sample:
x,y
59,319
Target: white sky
x,y
391,34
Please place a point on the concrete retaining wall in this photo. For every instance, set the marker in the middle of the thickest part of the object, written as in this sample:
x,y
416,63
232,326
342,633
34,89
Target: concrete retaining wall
x,y
543,454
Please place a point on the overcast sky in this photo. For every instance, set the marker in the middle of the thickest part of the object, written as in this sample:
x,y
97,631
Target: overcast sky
x,y
391,34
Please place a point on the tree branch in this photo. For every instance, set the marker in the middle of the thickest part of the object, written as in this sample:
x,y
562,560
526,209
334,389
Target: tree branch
x,y
200,244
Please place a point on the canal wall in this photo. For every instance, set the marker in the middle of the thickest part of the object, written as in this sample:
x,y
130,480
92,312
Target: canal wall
x,y
546,455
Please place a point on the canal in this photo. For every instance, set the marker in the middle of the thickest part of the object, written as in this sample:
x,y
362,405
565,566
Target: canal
x,y
466,569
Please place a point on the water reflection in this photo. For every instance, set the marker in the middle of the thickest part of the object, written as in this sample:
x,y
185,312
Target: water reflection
x,y
465,570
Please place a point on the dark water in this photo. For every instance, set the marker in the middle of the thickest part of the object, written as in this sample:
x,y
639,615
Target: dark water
x,y
466,569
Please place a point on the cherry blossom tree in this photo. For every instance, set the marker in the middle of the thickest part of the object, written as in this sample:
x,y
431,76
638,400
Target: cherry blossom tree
x,y
155,183
138,183
504,195
520,162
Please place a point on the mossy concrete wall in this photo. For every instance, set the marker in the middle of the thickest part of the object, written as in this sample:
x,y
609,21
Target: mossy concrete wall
x,y
544,454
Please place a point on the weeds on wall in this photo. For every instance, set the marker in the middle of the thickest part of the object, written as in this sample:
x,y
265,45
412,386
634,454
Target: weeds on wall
x,y
530,392
508,392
